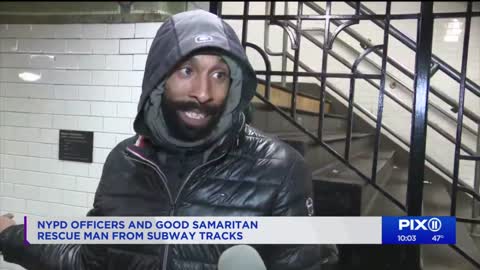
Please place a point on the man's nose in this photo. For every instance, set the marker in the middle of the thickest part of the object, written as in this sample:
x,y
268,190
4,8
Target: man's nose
x,y
201,90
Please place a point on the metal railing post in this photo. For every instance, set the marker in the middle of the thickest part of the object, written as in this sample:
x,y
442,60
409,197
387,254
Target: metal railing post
x,y
461,107
284,47
215,7
418,133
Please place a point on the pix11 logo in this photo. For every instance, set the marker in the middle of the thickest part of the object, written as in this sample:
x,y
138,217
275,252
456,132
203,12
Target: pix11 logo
x,y
419,230
432,224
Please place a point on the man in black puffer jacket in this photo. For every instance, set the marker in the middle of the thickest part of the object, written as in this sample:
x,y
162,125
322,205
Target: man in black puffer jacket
x,y
193,155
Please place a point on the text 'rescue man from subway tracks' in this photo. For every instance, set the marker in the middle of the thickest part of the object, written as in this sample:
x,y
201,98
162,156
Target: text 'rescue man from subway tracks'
x,y
192,155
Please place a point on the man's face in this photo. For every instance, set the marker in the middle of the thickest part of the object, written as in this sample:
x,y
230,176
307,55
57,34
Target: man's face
x,y
195,96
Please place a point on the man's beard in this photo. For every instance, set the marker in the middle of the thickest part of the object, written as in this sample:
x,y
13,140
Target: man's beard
x,y
181,130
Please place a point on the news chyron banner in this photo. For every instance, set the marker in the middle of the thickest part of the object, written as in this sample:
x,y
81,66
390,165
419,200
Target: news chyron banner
x,y
240,230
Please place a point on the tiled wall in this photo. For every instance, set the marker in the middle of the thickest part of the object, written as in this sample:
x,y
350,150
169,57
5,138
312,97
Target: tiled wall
x,y
91,79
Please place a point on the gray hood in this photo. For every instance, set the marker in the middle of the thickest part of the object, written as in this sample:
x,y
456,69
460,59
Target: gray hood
x,y
178,38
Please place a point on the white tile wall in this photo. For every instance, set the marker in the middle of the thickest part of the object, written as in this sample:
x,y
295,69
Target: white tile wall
x,y
136,92
13,204
104,109
75,168
90,123
92,62
75,107
105,77
119,62
139,61
86,184
103,46
117,125
78,46
127,110
69,92
104,140
120,30
94,31
65,122
91,78
8,45
95,170
118,94
133,46
40,120
41,61
91,93
15,119
146,30
41,150
130,78
149,44
69,31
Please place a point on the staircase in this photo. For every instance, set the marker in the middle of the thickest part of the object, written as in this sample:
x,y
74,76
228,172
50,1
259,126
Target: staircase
x,y
339,191
344,184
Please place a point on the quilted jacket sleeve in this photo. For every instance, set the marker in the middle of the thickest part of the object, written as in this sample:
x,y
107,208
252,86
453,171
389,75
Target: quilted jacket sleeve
x,y
295,199
49,257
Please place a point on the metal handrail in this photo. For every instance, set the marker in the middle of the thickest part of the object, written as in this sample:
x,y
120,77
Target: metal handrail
x,y
345,160
365,43
432,161
434,126
442,65
398,101
435,106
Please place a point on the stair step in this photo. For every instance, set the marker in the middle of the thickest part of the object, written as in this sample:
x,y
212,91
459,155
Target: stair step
x,y
327,137
335,115
271,121
363,162
282,96
397,187
340,191
316,155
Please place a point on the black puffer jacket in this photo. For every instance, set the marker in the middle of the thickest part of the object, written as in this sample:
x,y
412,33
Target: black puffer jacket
x,y
246,174
234,182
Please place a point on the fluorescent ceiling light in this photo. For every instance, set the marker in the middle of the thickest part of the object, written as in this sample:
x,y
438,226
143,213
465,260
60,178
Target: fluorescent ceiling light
x,y
29,77
450,38
453,31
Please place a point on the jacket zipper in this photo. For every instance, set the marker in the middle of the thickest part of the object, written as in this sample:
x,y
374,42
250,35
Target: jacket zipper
x,y
164,177
193,171
154,166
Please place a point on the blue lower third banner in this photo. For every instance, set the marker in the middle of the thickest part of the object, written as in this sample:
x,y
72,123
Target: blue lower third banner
x,y
419,230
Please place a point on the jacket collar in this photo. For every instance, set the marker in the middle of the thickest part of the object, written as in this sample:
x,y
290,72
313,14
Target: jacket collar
x,y
230,141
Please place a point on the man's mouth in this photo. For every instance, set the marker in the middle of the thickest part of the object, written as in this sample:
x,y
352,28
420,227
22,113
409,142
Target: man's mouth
x,y
195,115
194,118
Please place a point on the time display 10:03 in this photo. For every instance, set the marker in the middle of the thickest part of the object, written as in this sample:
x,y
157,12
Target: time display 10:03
x,y
406,238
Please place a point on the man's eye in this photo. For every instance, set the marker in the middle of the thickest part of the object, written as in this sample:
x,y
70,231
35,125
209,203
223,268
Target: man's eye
x,y
220,75
185,71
